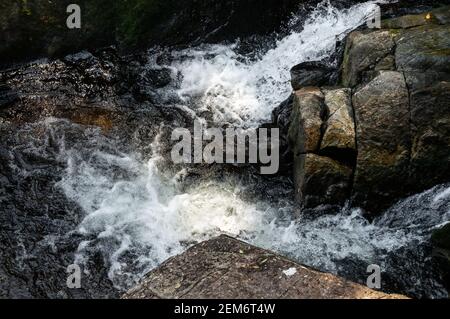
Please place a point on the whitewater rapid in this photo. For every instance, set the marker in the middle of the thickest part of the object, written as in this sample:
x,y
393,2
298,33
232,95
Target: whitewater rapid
x,y
137,214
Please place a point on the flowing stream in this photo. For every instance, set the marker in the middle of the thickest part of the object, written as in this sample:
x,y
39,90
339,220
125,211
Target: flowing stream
x,y
138,213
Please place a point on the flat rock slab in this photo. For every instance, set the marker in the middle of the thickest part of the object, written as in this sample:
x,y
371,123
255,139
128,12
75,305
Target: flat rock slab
x,y
227,268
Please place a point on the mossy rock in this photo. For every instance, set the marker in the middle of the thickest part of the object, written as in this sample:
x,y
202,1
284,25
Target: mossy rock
x,y
441,237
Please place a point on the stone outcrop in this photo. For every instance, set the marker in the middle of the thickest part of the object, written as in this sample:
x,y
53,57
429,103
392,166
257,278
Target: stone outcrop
x,y
227,268
340,127
382,117
390,122
322,136
363,51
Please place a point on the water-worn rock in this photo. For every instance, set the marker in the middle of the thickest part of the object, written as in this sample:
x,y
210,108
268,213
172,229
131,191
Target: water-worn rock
x,y
322,137
384,141
311,74
227,268
363,51
320,180
398,119
424,48
308,112
340,125
423,54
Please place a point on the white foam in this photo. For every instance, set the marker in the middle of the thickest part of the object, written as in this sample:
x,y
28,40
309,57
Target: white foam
x,y
137,217
244,92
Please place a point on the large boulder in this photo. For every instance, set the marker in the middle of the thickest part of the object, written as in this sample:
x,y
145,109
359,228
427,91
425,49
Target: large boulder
x,y
320,180
309,111
363,51
423,55
384,141
391,126
322,137
226,268
340,125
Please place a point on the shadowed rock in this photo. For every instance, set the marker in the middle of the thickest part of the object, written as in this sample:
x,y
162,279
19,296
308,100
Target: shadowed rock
x,y
310,74
320,180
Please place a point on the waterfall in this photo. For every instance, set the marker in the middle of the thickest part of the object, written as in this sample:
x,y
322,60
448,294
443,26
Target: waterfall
x,y
137,214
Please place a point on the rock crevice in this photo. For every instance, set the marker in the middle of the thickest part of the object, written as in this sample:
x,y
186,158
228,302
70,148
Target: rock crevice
x,y
389,122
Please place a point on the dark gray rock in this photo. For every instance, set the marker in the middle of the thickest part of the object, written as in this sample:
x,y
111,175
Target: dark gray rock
x,y
363,51
311,74
320,180
430,128
425,48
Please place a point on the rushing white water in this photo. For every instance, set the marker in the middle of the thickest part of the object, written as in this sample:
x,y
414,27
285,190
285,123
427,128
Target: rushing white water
x,y
137,216
244,92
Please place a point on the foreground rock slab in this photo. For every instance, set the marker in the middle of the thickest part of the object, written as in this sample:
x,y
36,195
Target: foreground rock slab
x,y
228,268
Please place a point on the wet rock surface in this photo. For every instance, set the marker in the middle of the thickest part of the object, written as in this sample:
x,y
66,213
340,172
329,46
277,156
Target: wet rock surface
x,y
382,121
50,109
364,49
100,101
311,74
322,138
396,126
226,268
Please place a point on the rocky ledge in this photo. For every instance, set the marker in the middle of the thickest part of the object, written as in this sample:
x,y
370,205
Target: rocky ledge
x,y
382,130
224,267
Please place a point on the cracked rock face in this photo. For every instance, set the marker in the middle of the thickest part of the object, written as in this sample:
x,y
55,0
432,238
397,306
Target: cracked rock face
x,y
322,136
382,117
390,124
307,116
340,126
364,49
